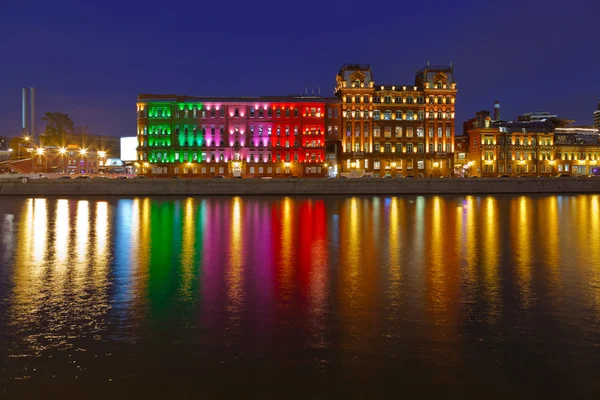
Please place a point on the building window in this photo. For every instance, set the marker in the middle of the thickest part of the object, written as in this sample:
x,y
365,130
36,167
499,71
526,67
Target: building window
x,y
376,164
409,132
376,115
420,132
421,164
398,132
410,115
387,115
409,147
398,147
376,131
278,112
377,147
420,148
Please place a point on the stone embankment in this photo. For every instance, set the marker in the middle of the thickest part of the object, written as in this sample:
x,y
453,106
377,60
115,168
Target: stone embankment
x,y
208,187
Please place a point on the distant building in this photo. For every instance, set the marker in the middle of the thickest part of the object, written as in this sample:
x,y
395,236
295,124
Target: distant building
x,y
597,117
531,146
461,153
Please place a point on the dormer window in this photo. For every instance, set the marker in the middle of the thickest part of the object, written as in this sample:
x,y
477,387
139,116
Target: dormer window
x,y
357,83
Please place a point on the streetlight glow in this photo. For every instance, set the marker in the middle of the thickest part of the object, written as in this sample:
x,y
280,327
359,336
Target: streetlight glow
x,y
62,151
102,154
83,152
40,151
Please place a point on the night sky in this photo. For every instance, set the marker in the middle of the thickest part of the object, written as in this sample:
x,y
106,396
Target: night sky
x,y
90,59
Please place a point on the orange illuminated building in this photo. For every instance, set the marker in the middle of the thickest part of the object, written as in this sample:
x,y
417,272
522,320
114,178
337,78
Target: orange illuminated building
x,y
396,130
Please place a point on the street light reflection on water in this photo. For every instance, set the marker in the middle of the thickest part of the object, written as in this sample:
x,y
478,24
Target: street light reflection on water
x,y
348,295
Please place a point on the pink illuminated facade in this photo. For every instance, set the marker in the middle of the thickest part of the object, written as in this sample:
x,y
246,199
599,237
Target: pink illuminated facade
x,y
248,137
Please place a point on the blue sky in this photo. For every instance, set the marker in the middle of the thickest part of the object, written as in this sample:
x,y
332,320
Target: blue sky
x,y
91,59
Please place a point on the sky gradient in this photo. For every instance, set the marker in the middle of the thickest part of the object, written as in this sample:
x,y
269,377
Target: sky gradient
x,y
91,59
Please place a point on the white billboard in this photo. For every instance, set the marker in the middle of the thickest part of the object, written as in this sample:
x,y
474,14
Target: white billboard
x,y
128,148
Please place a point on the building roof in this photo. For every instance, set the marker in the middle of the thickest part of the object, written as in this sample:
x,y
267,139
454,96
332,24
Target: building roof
x,y
168,98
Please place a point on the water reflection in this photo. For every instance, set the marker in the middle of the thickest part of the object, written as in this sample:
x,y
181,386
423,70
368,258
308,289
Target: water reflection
x,y
335,284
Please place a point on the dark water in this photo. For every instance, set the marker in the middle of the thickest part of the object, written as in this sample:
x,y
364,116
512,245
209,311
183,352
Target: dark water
x,y
336,297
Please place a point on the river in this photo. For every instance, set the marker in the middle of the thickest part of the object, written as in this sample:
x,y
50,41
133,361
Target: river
x,y
298,297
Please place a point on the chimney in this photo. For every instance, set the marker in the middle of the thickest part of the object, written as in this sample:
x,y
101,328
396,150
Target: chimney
x,y
32,111
24,124
497,110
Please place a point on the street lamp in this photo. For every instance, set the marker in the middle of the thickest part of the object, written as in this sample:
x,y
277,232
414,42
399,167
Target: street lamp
x,y
62,151
40,152
83,152
101,154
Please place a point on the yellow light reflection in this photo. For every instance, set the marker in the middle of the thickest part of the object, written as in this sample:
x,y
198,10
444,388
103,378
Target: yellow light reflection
x,y
593,249
61,233
490,249
520,219
287,256
101,233
82,230
40,231
236,251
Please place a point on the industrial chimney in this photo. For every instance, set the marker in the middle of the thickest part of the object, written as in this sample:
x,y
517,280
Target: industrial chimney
x,y
24,120
497,110
32,124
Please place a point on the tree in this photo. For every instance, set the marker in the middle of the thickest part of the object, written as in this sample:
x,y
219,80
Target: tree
x,y
58,127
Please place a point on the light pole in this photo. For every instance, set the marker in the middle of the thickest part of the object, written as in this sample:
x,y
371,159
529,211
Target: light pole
x,y
62,151
436,164
40,152
101,155
83,152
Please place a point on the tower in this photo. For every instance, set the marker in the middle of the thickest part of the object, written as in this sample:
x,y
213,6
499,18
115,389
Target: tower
x,y
497,110
24,112
597,117
32,113
28,113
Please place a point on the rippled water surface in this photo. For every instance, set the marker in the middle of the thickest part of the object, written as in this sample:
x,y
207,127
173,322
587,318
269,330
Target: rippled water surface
x,y
292,297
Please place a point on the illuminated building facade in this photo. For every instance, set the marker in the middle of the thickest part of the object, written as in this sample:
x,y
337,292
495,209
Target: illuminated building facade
x,y
235,137
397,130
530,147
333,137
461,154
